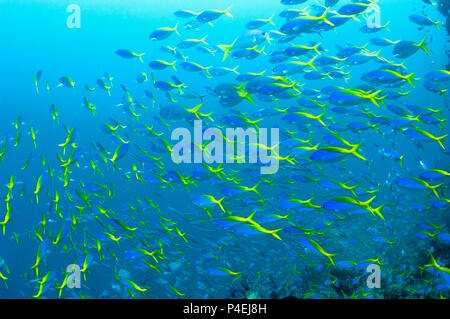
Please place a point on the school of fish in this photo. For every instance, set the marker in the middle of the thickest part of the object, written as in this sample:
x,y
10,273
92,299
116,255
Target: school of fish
x,y
353,188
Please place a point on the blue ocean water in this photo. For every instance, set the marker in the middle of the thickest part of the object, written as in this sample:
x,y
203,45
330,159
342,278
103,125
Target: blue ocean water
x,y
140,226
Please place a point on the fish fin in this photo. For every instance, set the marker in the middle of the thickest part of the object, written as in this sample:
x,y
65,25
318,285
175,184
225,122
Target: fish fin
x,y
409,79
140,57
228,13
175,29
437,24
330,257
439,139
226,49
274,233
377,211
422,45
315,48
354,151
323,17
310,63
319,118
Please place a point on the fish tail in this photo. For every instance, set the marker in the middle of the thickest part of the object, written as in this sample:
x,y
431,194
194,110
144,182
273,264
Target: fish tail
x,y
271,22
292,86
219,202
330,257
377,211
173,65
196,108
153,78
262,50
434,188
382,99
315,48
274,233
203,39
235,70
255,190
179,86
140,57
234,279
409,79
385,26
354,151
437,24
3,227
319,118
208,116
250,218
401,161
175,29
366,203
352,189
432,263
355,18
324,19
226,49
377,54
328,75
310,63
208,74
422,45
228,13
439,139
372,3
248,97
